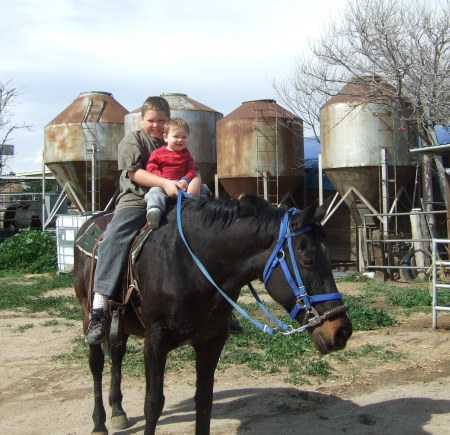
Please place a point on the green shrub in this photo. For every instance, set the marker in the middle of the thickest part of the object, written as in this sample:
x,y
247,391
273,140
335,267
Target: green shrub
x,y
29,251
364,317
409,297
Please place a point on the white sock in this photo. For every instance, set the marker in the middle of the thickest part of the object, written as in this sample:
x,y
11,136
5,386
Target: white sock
x,y
100,301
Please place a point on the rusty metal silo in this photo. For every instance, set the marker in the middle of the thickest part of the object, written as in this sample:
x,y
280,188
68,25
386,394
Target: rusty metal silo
x,y
202,122
361,141
80,148
260,151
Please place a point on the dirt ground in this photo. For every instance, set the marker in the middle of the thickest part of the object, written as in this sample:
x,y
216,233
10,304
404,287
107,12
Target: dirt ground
x,y
39,395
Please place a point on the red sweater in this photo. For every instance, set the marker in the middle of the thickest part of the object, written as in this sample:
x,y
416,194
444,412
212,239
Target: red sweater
x,y
172,165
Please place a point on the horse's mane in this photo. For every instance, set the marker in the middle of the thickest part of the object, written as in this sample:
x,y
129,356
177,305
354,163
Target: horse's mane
x,y
222,213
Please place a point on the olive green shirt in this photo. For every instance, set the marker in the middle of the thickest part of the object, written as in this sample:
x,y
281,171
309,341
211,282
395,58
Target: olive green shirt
x,y
133,153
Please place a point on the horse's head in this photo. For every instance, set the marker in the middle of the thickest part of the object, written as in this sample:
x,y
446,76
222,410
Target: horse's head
x,y
299,276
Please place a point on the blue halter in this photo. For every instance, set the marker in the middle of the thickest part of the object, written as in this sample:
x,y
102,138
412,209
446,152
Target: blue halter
x,y
304,301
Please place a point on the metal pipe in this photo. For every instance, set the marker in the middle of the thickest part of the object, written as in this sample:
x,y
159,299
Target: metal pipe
x,y
319,161
437,149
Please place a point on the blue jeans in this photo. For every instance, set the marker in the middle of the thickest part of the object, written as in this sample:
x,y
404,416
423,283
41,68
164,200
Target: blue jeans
x,y
114,248
156,197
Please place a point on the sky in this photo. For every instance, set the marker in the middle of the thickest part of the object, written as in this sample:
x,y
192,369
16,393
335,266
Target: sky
x,y
218,53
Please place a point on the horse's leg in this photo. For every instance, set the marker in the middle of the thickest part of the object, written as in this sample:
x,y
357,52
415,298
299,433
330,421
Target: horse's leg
x,y
119,418
96,364
206,358
155,356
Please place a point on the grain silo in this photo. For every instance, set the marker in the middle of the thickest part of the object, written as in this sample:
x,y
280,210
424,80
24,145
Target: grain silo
x,y
364,149
260,151
365,155
80,149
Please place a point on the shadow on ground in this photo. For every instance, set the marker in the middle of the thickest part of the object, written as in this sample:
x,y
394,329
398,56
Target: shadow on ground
x,y
290,411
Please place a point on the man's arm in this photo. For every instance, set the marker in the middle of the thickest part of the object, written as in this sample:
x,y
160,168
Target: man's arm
x,y
148,179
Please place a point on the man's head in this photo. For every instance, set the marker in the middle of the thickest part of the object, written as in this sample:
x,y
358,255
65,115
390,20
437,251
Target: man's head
x,y
155,112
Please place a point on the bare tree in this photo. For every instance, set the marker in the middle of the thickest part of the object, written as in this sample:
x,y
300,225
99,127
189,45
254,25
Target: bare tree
x,y
8,96
394,51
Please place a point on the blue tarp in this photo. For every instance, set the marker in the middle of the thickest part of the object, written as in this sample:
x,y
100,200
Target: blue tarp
x,y
442,134
311,151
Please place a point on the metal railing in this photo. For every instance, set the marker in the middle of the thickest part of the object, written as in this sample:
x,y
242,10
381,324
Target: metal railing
x,y
396,244
440,278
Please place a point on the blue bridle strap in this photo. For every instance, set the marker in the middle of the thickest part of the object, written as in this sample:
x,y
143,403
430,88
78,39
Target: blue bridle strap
x,y
303,300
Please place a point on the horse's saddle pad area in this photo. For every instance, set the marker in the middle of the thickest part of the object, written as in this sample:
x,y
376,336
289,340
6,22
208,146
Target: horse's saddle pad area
x,y
88,238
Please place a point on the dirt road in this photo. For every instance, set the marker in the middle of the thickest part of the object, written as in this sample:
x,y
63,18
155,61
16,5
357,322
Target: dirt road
x,y
39,395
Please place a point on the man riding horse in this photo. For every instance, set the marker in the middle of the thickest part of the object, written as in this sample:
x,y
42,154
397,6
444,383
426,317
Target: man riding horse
x,y
130,213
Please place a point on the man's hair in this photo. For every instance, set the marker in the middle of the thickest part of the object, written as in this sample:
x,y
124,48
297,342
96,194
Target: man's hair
x,y
158,104
176,123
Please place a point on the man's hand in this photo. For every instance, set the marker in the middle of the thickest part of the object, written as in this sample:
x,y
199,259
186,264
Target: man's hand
x,y
171,188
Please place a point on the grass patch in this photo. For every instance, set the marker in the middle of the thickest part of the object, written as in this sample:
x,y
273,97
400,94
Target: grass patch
x,y
367,419
25,327
368,351
28,292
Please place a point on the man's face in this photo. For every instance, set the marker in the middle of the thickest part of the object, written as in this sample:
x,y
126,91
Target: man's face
x,y
153,123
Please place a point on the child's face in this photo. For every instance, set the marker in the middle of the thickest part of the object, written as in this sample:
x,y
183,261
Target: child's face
x,y
153,123
177,139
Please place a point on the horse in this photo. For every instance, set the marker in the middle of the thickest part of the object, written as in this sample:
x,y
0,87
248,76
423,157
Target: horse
x,y
189,274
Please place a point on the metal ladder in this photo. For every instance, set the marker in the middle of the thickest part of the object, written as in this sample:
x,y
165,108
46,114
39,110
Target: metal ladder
x,y
441,279
89,123
266,154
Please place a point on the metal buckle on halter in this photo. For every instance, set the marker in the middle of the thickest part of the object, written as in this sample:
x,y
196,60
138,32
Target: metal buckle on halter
x,y
300,302
280,254
314,320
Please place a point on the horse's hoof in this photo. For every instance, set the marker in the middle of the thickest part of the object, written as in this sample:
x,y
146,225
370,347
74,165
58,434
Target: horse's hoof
x,y
119,421
99,432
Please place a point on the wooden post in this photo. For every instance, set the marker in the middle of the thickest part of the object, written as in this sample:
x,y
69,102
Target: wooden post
x,y
422,250
378,255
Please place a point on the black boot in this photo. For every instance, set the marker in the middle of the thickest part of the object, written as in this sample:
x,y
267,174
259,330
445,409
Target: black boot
x,y
96,330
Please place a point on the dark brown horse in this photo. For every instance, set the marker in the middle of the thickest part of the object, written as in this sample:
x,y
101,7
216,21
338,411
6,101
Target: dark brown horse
x,y
236,242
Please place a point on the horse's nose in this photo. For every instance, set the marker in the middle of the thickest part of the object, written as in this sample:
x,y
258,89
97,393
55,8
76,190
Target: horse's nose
x,y
342,335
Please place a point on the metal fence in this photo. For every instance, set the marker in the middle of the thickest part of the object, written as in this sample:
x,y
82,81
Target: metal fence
x,y
399,248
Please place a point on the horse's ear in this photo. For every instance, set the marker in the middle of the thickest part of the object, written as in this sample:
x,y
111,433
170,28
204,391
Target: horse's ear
x,y
315,213
309,213
321,211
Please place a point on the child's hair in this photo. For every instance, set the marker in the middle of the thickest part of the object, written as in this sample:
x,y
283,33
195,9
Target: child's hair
x,y
158,104
176,123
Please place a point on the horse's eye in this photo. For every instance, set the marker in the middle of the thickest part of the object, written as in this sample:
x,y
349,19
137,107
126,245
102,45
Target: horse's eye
x,y
307,260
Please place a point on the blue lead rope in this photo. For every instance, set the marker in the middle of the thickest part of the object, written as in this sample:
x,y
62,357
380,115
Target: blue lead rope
x,y
266,328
